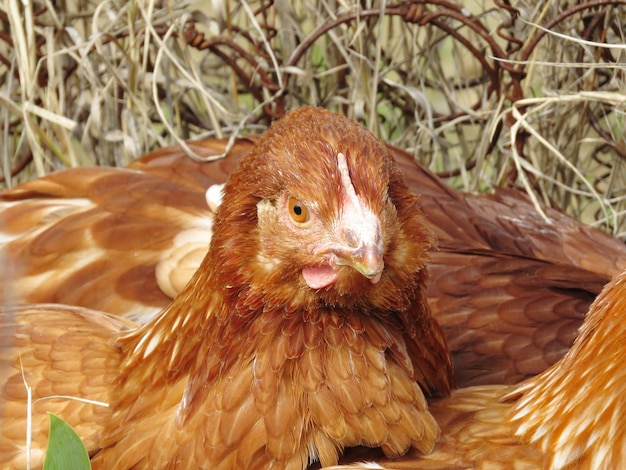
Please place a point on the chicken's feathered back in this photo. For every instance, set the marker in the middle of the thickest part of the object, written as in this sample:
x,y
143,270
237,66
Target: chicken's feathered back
x,y
109,239
509,287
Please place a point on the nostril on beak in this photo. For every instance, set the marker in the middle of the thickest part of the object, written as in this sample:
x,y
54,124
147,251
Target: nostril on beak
x,y
350,237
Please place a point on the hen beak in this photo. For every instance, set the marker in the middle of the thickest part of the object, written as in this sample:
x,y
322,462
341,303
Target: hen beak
x,y
360,237
367,260
362,248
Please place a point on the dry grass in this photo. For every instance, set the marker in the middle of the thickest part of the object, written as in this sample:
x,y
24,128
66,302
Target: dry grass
x,y
484,95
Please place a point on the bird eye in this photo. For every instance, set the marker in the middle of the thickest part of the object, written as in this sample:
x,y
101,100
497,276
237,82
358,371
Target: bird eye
x,y
298,211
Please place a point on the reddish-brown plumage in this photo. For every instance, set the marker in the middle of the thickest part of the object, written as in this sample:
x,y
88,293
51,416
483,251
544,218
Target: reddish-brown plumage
x,y
509,289
571,416
93,237
249,367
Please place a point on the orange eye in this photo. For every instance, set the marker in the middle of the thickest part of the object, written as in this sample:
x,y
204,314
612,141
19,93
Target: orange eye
x,y
298,211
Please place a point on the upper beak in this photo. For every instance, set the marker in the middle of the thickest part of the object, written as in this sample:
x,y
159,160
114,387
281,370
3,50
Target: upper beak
x,y
363,251
366,259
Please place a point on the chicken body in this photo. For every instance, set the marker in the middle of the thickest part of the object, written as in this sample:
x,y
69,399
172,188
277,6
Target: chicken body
x,y
509,289
305,329
569,417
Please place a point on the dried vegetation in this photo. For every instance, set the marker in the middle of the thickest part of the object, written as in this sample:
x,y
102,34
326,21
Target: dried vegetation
x,y
515,93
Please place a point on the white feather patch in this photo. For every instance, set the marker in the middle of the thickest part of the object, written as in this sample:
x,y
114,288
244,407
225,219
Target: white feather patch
x,y
214,196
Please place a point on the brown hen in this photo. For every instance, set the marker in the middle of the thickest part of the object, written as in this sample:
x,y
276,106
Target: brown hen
x,y
304,331
509,289
569,417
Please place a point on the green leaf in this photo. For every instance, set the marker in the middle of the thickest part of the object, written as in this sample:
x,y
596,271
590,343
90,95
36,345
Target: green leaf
x,y
65,449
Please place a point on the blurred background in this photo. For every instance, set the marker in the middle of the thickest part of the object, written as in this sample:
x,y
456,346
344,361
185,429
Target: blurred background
x,y
527,94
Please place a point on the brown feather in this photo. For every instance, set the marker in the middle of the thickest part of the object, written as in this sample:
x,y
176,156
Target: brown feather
x,y
569,417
